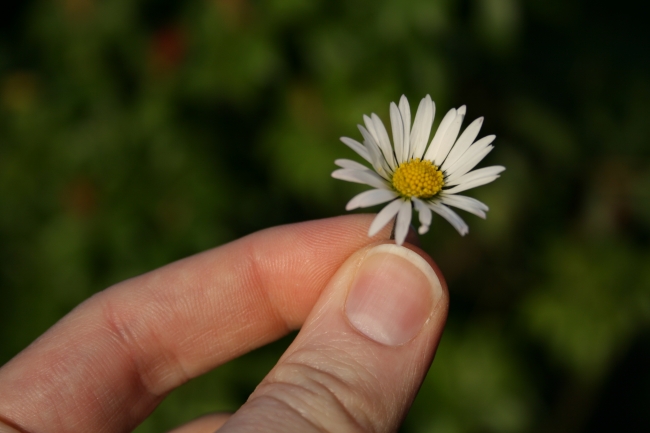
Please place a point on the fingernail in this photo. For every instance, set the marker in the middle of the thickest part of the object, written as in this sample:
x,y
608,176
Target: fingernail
x,y
393,295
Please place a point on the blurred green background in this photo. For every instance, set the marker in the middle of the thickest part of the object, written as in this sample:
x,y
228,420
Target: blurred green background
x,y
134,133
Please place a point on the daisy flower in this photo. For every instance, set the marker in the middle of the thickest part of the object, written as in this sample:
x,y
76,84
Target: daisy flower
x,y
408,173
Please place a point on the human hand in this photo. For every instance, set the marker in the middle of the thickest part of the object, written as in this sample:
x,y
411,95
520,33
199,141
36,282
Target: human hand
x,y
371,315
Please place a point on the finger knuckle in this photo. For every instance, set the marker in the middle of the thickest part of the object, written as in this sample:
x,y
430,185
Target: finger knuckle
x,y
328,388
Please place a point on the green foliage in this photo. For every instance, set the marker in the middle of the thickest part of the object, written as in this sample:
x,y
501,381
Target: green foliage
x,y
134,133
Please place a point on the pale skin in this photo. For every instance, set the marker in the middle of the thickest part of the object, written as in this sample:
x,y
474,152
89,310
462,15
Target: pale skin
x,y
107,364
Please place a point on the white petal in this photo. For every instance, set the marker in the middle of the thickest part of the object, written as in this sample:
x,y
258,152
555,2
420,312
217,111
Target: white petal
x,y
421,127
477,174
378,162
397,126
376,157
403,222
465,203
425,215
357,147
473,184
463,143
348,163
450,216
432,152
405,111
371,127
462,170
377,138
366,177
384,141
469,159
370,198
450,137
384,216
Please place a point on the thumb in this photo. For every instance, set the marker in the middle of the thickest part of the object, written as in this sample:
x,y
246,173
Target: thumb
x,y
362,353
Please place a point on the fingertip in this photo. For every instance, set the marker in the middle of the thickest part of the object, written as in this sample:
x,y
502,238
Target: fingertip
x,y
374,328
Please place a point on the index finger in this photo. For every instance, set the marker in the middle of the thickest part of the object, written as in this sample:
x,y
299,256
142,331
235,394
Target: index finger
x,y
106,365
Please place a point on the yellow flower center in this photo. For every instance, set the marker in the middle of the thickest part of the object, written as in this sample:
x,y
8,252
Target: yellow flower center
x,y
417,178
